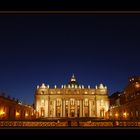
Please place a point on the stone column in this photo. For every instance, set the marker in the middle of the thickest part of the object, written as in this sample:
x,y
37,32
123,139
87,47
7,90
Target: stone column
x,y
90,114
63,107
61,114
54,113
75,108
95,101
69,108
81,108
48,106
46,109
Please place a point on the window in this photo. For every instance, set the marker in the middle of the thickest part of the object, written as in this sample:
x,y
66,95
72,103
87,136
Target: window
x,y
102,103
58,102
72,101
67,102
86,102
42,102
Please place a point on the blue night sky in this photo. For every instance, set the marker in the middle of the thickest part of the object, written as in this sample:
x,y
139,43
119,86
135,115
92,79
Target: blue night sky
x,y
49,48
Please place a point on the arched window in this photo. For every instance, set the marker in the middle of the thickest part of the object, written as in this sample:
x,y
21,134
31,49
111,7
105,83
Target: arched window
x,y
72,101
58,102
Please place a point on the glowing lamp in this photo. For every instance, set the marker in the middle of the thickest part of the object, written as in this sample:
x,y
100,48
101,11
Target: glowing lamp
x,y
2,113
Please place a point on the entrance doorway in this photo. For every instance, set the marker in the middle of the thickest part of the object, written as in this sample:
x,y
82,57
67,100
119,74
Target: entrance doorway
x,y
72,113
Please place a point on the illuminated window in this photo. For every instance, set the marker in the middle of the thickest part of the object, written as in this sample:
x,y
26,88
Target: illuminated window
x,y
72,101
42,102
42,111
58,102
17,113
2,113
137,85
86,102
102,103
124,114
26,114
116,115
67,102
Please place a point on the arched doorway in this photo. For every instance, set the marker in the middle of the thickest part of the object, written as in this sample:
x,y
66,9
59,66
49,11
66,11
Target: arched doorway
x,y
102,113
72,111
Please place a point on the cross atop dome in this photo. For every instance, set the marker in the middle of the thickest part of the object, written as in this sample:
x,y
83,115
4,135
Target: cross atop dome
x,y
73,81
73,78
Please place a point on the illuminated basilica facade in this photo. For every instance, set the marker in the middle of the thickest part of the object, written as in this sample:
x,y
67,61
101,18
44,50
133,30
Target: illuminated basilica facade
x,y
71,101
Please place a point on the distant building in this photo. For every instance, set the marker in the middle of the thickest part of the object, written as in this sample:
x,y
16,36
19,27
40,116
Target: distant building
x,y
11,109
125,105
71,100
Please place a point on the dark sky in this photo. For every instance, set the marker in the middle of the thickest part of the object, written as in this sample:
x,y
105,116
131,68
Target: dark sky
x,y
49,48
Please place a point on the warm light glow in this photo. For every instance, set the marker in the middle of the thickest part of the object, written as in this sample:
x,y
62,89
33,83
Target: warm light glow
x,y
2,112
137,85
73,80
32,113
17,114
124,114
116,115
26,115
85,92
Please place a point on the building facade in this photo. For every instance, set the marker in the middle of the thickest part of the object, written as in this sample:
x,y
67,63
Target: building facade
x,y
71,100
11,109
125,105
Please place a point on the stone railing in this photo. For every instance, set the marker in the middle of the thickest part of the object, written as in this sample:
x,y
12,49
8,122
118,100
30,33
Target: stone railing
x,y
69,124
32,124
